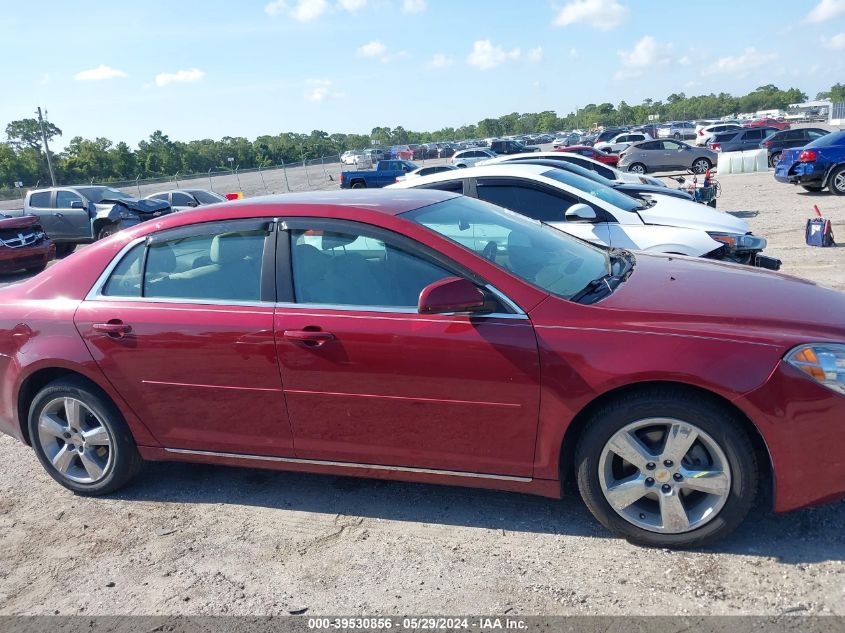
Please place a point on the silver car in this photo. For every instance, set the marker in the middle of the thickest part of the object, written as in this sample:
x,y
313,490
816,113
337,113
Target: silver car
x,y
666,155
182,199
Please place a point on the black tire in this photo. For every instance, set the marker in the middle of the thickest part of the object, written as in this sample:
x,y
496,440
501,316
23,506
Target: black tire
x,y
34,270
125,462
63,249
774,159
836,181
637,168
715,419
107,230
812,188
701,165
359,185
461,166
677,136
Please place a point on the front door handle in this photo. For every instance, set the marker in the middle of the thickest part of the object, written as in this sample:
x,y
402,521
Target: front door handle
x,y
114,328
311,338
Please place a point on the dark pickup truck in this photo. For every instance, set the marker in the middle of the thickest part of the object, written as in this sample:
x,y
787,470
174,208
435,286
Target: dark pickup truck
x,y
385,173
80,215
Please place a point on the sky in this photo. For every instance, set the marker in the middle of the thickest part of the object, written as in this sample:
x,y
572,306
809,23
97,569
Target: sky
x,y
213,68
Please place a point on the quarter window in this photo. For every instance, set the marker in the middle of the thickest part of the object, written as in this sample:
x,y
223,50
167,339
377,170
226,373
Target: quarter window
x,y
354,269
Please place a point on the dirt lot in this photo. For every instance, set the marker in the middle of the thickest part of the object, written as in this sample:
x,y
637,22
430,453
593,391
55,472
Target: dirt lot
x,y
213,540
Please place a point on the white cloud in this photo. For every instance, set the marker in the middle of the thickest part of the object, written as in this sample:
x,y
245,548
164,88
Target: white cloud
x,y
740,65
835,43
535,54
646,54
440,60
685,61
320,90
180,76
573,53
302,10
414,6
373,49
603,15
352,5
485,56
826,10
99,73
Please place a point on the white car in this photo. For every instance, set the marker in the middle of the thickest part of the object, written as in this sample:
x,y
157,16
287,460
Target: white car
x,y
600,214
184,199
705,134
622,141
469,157
611,173
426,171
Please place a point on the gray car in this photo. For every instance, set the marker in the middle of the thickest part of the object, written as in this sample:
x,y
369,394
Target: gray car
x,y
666,155
743,139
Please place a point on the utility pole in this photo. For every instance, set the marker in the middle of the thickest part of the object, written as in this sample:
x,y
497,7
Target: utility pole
x,y
46,148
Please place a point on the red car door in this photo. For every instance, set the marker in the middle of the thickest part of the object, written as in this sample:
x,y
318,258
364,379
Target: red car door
x,y
368,380
190,345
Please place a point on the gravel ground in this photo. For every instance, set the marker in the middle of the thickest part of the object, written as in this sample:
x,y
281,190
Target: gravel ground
x,y
190,539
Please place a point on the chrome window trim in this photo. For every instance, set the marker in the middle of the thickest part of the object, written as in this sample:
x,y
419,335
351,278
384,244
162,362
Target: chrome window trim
x,y
96,291
320,462
389,310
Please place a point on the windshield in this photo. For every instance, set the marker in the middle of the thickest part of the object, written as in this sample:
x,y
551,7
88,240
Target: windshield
x,y
206,197
595,189
834,138
578,170
537,253
98,194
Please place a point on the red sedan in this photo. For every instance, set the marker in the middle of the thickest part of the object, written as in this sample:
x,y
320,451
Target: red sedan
x,y
768,122
591,152
419,335
24,245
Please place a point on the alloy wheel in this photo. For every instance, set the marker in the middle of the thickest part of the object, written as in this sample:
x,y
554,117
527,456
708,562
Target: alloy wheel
x,y
75,440
839,181
664,475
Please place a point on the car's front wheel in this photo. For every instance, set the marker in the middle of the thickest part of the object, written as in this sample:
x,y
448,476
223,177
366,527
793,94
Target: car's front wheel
x,y
774,159
701,165
107,230
667,468
81,438
836,182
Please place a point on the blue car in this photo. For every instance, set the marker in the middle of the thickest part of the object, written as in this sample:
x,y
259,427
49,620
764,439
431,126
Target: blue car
x,y
815,166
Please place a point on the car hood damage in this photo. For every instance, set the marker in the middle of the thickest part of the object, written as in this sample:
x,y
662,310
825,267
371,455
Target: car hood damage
x,y
671,211
138,205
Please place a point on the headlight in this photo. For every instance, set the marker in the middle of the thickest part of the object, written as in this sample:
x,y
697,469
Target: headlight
x,y
739,242
823,362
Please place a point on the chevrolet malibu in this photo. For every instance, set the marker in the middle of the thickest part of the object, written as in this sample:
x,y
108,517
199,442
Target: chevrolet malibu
x,y
420,335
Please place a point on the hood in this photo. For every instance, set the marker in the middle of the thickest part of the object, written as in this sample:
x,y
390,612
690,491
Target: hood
x,y
138,205
742,300
633,189
625,176
669,211
23,222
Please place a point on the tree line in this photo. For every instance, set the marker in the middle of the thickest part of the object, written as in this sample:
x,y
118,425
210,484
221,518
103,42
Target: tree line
x,y
22,158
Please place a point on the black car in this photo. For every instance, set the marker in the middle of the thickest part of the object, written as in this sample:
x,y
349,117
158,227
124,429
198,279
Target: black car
x,y
511,147
787,139
741,139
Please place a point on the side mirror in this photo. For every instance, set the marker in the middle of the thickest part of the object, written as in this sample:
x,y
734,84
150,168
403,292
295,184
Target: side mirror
x,y
580,211
77,204
452,294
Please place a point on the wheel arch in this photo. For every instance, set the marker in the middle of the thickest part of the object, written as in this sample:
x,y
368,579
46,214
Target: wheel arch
x,y
99,223
580,421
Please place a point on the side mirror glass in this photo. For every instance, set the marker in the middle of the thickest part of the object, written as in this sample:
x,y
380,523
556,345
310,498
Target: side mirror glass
x,y
451,294
580,211
77,204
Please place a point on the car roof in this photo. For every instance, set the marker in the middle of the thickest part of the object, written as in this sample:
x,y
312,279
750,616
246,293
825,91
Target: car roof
x,y
380,200
499,169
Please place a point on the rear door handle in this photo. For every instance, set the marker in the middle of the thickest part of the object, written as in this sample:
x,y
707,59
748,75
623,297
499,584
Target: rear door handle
x,y
311,338
114,328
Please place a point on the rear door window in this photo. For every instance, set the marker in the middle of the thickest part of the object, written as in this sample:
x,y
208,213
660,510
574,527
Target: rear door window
x,y
533,202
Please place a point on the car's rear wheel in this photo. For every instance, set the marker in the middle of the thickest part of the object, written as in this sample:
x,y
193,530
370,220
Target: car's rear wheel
x,y
637,168
701,165
359,185
666,468
774,159
81,438
836,182
677,136
461,166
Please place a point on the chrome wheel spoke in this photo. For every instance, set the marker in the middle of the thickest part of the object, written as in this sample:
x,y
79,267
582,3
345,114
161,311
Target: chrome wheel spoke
x,y
63,459
51,425
679,438
631,449
97,437
626,492
709,481
673,513
91,465
73,412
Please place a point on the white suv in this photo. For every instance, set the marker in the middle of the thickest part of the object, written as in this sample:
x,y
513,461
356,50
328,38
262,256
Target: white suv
x,y
469,157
